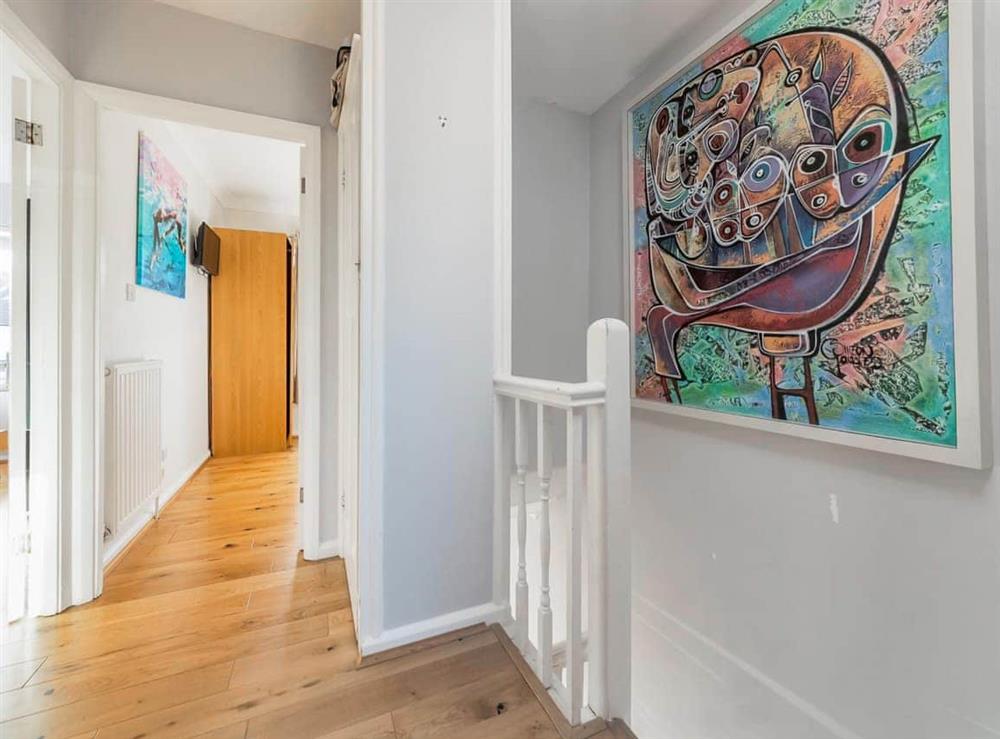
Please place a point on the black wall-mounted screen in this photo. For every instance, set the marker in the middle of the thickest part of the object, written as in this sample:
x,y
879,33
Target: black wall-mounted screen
x,y
206,254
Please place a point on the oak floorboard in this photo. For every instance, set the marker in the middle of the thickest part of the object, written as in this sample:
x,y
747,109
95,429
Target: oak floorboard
x,y
379,727
419,646
479,708
119,639
68,684
135,584
16,675
177,653
291,601
233,731
142,556
108,708
310,705
214,626
315,717
335,652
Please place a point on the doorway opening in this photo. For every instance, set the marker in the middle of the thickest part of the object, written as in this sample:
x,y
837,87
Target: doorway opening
x,y
199,230
207,289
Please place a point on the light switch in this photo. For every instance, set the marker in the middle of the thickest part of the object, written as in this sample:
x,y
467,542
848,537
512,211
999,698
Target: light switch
x,y
129,292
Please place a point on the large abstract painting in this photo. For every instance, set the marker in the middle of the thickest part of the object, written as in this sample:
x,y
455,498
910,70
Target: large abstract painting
x,y
161,223
791,239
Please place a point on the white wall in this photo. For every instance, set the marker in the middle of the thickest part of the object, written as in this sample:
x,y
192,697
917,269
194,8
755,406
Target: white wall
x,y
438,309
551,229
155,325
214,63
788,589
255,220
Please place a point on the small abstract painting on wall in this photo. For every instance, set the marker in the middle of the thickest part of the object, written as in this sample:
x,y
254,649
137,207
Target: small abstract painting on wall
x,y
161,223
790,223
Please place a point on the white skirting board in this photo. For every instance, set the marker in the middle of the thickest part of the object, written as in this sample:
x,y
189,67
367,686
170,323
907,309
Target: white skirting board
x,y
328,548
402,635
711,685
134,524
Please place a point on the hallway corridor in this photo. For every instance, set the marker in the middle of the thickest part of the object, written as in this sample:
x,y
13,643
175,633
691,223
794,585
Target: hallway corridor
x,y
212,625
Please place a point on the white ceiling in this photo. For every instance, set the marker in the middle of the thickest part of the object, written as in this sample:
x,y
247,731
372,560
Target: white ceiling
x,y
244,172
579,53
327,23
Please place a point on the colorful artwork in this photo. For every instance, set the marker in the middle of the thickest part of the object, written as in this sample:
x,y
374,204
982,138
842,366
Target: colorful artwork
x,y
791,223
161,223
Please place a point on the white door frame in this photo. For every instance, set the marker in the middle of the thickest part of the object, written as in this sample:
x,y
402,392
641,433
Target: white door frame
x,y
371,295
91,100
349,319
52,576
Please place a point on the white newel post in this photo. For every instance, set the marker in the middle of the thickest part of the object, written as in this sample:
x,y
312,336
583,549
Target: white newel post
x,y
609,648
597,548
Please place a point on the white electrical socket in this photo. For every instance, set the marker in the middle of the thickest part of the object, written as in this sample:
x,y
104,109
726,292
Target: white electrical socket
x,y
129,292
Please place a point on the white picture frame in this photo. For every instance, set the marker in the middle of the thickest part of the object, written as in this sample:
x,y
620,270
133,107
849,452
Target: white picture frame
x,y
968,212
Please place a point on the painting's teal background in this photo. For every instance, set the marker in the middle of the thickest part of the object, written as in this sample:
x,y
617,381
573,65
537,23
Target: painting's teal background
x,y
724,370
159,184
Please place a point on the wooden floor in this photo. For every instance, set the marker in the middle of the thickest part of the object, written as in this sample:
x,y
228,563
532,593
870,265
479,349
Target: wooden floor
x,y
212,625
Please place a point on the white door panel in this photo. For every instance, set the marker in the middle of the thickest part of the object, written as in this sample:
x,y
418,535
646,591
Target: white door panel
x,y
17,508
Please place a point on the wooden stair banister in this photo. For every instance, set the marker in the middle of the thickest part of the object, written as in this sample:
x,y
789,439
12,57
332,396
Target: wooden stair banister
x,y
597,446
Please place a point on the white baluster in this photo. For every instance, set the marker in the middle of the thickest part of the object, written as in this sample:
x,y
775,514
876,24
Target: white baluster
x,y
503,463
544,667
574,563
521,465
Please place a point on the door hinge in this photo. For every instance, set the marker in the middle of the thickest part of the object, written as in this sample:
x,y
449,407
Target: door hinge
x,y
27,132
302,495
302,181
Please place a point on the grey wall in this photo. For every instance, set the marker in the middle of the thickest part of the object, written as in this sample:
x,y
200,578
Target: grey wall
x,y
551,204
158,49
787,589
438,390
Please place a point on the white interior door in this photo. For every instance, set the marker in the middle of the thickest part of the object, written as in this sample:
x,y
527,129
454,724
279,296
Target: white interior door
x,y
17,502
37,518
349,248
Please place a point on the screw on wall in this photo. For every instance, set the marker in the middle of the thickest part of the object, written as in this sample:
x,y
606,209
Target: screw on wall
x,y
443,120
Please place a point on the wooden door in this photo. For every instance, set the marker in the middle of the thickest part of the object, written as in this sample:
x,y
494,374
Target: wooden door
x,y
249,344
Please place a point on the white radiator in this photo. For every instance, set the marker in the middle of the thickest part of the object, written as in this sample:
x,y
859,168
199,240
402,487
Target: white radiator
x,y
134,467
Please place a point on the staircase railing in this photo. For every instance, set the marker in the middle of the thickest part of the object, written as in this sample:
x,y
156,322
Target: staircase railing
x,y
597,458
